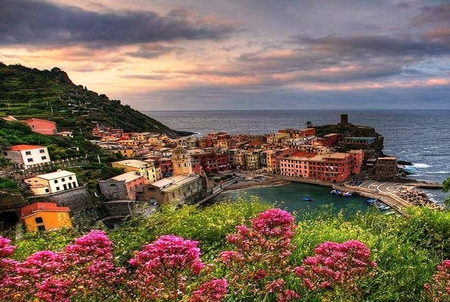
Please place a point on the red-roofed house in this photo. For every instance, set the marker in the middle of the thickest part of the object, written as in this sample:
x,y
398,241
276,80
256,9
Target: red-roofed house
x,y
42,126
25,156
45,216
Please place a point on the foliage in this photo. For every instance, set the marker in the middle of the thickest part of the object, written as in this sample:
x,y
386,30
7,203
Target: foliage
x,y
207,225
8,185
51,241
249,254
446,189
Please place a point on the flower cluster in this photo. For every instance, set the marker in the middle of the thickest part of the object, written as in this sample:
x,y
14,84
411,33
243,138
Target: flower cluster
x,y
164,267
336,264
211,291
170,268
82,269
439,289
260,258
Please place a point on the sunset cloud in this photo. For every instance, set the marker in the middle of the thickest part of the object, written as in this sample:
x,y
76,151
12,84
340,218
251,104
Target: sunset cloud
x,y
188,54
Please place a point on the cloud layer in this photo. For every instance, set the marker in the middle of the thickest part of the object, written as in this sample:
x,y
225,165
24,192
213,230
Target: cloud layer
x,y
174,54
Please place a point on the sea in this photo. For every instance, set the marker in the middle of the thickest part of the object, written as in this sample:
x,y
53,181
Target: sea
x,y
421,137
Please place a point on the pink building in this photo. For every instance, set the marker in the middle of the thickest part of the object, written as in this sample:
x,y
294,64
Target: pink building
x,y
42,126
333,167
122,187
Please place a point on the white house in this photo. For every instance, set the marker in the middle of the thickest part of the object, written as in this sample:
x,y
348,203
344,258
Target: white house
x,y
25,156
53,182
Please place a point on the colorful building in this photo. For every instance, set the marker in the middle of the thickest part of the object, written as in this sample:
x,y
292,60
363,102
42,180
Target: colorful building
x,y
44,127
123,186
26,156
54,182
333,167
45,216
147,169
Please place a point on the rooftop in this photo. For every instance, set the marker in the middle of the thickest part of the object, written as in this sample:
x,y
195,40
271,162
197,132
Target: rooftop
x,y
41,207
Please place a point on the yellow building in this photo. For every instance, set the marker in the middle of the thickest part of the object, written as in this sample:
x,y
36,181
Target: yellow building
x,y
147,169
45,216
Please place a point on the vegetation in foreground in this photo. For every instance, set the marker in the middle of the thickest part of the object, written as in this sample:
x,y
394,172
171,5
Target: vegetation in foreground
x,y
237,251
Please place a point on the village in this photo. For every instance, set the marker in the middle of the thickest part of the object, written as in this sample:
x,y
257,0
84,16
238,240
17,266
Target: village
x,y
159,170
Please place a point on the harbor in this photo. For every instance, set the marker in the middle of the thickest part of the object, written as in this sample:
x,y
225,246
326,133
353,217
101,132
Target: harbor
x,y
397,195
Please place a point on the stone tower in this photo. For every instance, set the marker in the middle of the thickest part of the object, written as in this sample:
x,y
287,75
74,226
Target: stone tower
x,y
181,161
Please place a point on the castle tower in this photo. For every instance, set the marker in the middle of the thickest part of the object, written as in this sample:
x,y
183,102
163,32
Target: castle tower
x,y
181,161
344,119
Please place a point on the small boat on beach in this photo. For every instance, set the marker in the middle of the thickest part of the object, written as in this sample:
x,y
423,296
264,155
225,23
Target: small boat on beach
x,y
371,201
383,207
307,199
338,192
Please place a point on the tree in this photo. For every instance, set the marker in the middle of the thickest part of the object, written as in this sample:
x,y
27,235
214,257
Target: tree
x,y
309,124
446,189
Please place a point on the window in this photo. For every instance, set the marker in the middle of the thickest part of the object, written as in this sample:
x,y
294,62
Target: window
x,y
27,152
57,189
30,160
43,157
70,177
47,190
41,228
63,180
55,181
42,151
39,220
65,187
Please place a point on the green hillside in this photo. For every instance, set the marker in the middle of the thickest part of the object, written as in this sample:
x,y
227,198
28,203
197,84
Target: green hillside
x,y
50,94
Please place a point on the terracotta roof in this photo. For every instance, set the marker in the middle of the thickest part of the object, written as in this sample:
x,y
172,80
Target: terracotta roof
x,y
41,207
303,154
25,147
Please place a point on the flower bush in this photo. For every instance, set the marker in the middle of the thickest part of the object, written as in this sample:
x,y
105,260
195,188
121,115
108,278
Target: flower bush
x,y
259,262
256,268
164,268
439,289
334,264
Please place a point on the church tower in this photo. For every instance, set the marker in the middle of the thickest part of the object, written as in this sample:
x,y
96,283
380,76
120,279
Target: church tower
x,y
181,161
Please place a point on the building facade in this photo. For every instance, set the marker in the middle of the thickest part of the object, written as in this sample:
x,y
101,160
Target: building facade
x,y
123,186
26,156
44,127
54,182
45,216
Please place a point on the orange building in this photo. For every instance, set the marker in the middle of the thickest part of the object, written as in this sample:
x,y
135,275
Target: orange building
x,y
333,167
42,126
45,216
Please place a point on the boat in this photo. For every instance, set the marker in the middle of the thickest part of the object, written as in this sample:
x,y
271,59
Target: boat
x,y
371,201
338,192
383,207
408,169
307,199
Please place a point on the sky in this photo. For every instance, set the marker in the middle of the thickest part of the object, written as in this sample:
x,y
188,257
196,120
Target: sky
x,y
240,54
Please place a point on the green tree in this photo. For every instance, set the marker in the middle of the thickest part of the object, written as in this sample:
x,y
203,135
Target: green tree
x,y
446,189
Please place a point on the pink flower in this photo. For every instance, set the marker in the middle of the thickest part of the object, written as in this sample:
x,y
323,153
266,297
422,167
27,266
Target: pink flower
x,y
211,291
164,267
439,288
333,264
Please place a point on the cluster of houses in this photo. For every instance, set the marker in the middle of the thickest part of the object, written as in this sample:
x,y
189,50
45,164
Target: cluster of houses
x,y
158,169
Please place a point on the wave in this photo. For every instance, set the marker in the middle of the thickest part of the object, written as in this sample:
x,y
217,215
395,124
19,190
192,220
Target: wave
x,y
421,166
438,172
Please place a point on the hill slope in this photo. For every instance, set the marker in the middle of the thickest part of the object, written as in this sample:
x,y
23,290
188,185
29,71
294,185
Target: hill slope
x,y
50,94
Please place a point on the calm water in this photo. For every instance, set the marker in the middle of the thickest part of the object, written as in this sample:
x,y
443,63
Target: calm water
x,y
419,136
290,196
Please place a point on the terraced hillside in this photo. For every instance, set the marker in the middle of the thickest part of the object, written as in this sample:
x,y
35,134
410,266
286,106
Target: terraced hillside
x,y
50,94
